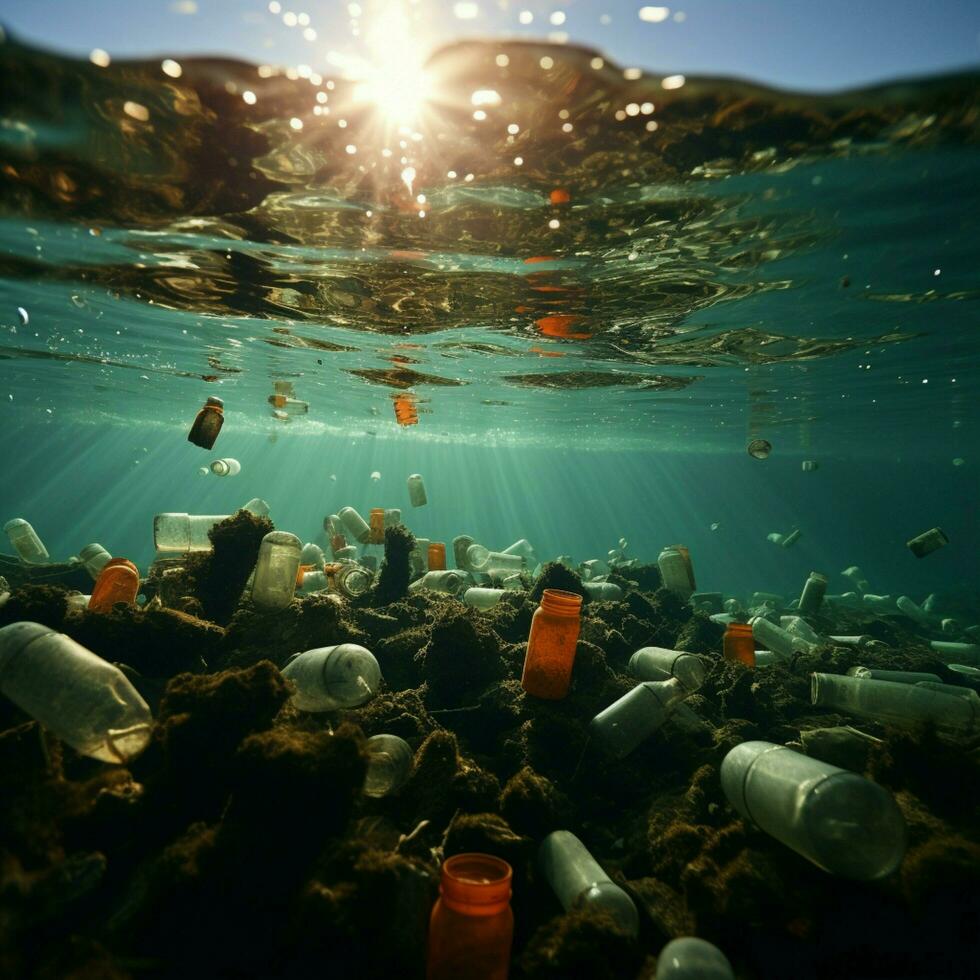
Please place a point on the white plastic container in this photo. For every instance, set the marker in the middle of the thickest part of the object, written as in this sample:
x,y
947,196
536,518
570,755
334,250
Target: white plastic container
x,y
225,467
477,558
775,638
25,542
879,603
94,558
328,678
812,595
353,580
447,580
912,610
523,548
621,727
480,598
184,532
257,506
312,554
861,640
800,627
660,664
690,958
592,569
927,542
417,496
810,466
355,526
499,566
461,544
674,572
603,591
393,517
274,581
390,761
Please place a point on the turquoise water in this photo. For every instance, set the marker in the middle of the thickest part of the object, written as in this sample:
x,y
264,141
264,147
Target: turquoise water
x,y
731,263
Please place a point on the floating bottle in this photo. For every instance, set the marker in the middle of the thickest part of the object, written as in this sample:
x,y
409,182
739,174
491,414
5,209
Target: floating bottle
x,y
551,645
603,591
738,644
461,544
578,880
659,664
690,958
82,699
406,411
353,581
208,424
440,580
328,678
775,638
437,556
312,554
355,525
836,819
477,558
674,572
119,581
621,727
25,542
257,506
812,595
94,558
499,566
961,653
472,925
857,579
184,532
810,466
523,548
416,490
900,705
393,517
389,765
480,598
897,676
912,610
377,526
225,467
927,542
274,580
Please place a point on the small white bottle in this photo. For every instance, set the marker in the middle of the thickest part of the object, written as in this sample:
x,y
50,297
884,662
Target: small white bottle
x,y
621,727
328,678
690,958
82,699
499,565
461,544
660,664
226,467
578,880
810,466
419,556
480,598
775,638
416,490
790,539
523,548
593,569
26,543
912,610
839,820
312,554
812,595
446,580
274,581
354,525
477,558
184,532
800,627
674,572
93,557
603,591
879,603
257,506
860,641
389,765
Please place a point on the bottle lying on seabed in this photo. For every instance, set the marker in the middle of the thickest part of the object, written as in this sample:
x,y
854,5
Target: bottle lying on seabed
x,y
328,678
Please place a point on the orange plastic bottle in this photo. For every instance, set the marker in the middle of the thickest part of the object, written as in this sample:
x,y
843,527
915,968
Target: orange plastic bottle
x,y
208,423
437,556
472,925
119,581
551,645
377,521
738,644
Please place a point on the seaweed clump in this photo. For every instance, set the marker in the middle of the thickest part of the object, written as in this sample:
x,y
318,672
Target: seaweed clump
x,y
396,569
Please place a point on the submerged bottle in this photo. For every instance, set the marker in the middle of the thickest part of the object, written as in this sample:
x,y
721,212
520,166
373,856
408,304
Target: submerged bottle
x,y
523,548
897,676
119,581
312,554
449,581
674,572
775,638
376,521
660,664
836,819
498,565
82,699
328,678
812,595
184,532
353,580
927,542
416,490
551,645
257,506
225,467
738,644
621,727
857,579
355,525
690,958
912,610
274,579
578,880
603,591
961,653
94,557
389,765
437,556
472,926
208,424
25,542
461,544
480,598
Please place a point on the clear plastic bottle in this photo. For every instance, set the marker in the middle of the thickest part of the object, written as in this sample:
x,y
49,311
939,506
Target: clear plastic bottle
x,y
499,565
449,581
857,579
354,525
184,532
94,557
660,664
81,698
225,467
603,591
812,595
707,602
674,572
800,627
961,653
578,880
690,958
477,558
393,517
810,465
790,539
207,424
119,581
839,820
274,579
328,678
912,610
353,580
927,542
592,569
879,603
621,727
551,645
775,638
26,543
860,640
257,506
312,554
417,496
419,556
738,644
523,548
897,676
480,598
390,760
461,544
437,556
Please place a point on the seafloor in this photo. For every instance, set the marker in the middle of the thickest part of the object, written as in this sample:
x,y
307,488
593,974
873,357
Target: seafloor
x,y
239,843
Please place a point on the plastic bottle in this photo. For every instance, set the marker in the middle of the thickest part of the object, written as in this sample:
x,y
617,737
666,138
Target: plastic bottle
x,y
119,581
498,565
437,556
551,645
839,820
448,581
800,627
775,638
592,569
347,554
901,705
353,580
950,625
810,465
225,467
94,557
389,765
879,603
406,412
25,542
897,676
621,727
417,496
274,579
257,506
690,958
812,595
472,925
857,579
738,644
578,880
927,542
658,664
791,538
686,555
859,641
772,598
208,424
523,548
673,571
775,537
312,554
477,557
480,598
393,517
603,591
961,653
328,678
81,698
911,609
316,581
376,525
184,532
355,525
419,556
461,544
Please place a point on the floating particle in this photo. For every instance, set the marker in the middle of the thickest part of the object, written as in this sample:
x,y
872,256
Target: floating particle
x,y
333,477
24,318
809,465
99,58
759,448
376,476
715,526
171,68
654,15
559,196
203,470
959,461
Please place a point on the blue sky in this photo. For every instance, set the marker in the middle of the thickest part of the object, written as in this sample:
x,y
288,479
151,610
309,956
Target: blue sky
x,y
810,44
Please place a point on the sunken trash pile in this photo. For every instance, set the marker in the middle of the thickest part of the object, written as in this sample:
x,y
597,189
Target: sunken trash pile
x,y
283,765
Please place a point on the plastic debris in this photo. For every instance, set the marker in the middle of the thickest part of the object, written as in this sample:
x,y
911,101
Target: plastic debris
x,y
759,448
207,424
26,543
328,678
927,542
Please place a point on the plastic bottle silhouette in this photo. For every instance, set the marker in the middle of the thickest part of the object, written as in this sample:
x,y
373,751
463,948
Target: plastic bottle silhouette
x,y
257,506
659,664
437,556
328,678
225,467
208,423
896,676
419,556
621,727
377,526
184,532
472,926
94,557
839,820
393,517
406,412
812,595
551,645
477,557
738,644
498,565
353,580
81,698
603,591
416,491
461,544
960,653
480,598
912,610
26,542
927,542
690,958
119,581
274,581
578,880
593,568
449,581
775,638
523,548
389,765
674,572
355,525
312,554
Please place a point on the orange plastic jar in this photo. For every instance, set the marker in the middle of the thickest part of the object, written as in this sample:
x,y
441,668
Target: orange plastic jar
x,y
739,644
472,925
377,521
437,556
207,424
551,645
119,581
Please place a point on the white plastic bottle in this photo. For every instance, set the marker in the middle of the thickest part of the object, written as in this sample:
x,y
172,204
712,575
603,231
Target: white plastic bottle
x,y
312,554
690,958
912,610
621,727
461,544
274,580
354,525
226,467
257,506
674,572
82,699
477,558
839,820
389,765
25,542
961,653
660,664
93,557
775,638
578,880
603,591
523,548
446,580
184,532
499,565
417,496
480,598
812,595
328,678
